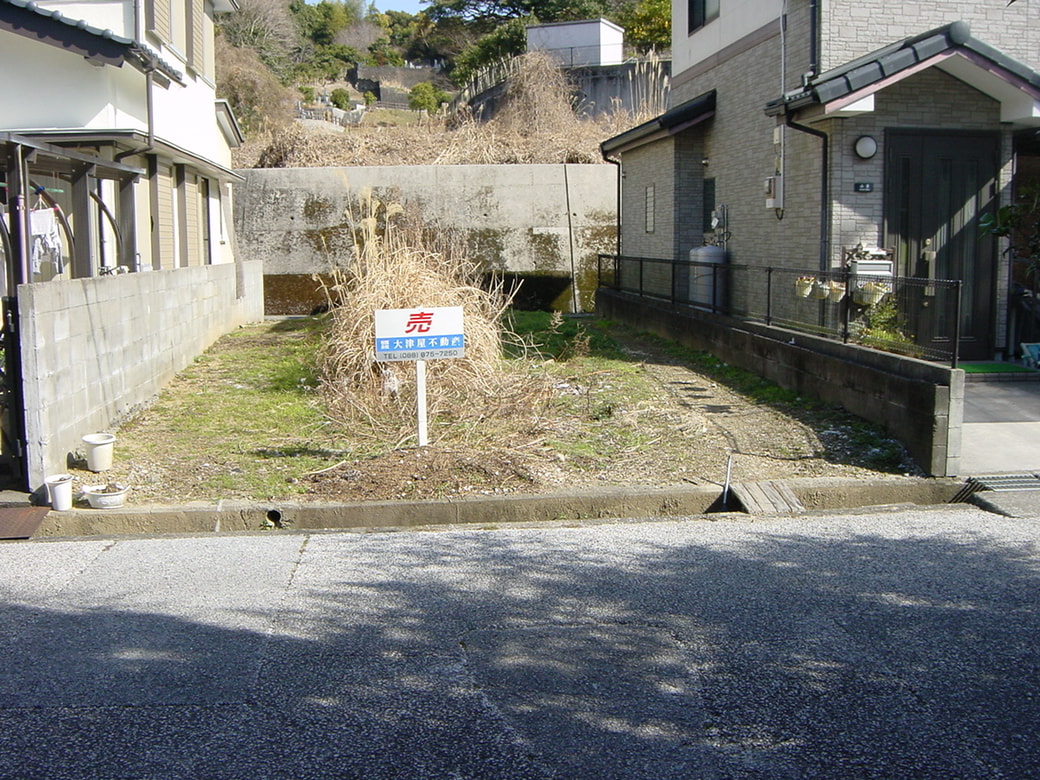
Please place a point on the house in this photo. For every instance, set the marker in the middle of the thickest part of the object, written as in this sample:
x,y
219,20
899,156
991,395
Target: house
x,y
584,43
115,189
800,129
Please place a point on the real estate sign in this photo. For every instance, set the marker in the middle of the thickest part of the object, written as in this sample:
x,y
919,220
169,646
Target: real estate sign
x,y
419,334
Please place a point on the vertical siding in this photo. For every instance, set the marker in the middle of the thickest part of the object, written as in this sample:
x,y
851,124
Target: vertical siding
x,y
164,218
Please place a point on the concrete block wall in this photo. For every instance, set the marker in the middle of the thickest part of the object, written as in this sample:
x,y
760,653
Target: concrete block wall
x,y
527,219
94,350
919,403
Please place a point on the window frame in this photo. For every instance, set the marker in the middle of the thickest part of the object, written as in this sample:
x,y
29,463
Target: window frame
x,y
700,13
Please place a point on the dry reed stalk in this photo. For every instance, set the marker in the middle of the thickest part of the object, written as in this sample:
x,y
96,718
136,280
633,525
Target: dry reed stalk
x,y
536,125
396,264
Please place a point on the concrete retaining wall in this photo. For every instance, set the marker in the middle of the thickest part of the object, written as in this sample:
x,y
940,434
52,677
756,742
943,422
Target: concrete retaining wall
x,y
93,350
919,403
527,220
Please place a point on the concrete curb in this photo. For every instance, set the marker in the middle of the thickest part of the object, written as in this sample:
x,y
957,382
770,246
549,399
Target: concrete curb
x,y
605,503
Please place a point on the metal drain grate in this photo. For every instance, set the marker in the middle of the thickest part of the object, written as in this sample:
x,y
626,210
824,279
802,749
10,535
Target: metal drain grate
x,y
1006,482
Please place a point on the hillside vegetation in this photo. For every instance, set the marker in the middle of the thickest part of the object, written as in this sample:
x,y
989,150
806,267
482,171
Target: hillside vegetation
x,y
273,55
536,124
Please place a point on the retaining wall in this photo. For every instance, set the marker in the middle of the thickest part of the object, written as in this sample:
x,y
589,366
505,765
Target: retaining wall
x,y
95,350
537,222
919,403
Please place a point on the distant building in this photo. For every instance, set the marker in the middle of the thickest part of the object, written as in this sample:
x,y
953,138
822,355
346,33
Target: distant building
x,y
592,42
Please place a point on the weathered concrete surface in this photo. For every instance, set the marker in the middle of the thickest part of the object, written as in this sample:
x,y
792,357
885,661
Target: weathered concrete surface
x,y
889,644
529,220
228,516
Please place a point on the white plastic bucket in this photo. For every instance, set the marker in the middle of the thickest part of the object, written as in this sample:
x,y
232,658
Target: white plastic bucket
x,y
99,450
59,490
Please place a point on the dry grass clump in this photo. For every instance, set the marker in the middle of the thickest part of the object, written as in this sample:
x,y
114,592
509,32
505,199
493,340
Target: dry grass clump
x,y
536,125
399,264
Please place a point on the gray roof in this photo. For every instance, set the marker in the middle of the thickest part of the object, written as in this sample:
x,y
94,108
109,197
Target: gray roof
x,y
672,121
28,19
899,57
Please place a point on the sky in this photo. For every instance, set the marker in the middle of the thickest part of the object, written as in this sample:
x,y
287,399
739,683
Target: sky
x,y
411,6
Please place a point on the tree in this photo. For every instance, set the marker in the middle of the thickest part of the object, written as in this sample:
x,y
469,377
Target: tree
x,y
491,12
648,24
424,96
320,23
509,39
340,98
268,28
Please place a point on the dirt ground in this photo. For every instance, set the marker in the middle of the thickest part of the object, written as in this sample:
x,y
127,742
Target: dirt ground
x,y
706,429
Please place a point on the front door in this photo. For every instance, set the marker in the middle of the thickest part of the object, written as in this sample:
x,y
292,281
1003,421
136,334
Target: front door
x,y
936,187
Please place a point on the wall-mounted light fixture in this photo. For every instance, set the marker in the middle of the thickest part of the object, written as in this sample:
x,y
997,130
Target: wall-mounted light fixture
x,y
704,161
865,147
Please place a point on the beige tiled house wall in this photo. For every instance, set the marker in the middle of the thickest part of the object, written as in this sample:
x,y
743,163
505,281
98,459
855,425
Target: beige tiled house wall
x,y
852,28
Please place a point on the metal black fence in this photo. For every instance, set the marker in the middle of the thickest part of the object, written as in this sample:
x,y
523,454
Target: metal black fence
x,y
905,315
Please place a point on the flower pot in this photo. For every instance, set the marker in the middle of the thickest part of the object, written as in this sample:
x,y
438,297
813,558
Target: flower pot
x,y
59,491
868,297
820,291
105,496
802,287
99,450
836,292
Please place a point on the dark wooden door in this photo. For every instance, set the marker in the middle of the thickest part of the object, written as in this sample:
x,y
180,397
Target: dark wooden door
x,y
937,185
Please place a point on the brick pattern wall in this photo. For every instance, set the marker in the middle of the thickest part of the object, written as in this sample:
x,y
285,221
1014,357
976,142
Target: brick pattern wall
x,y
852,28
931,100
738,144
95,349
652,164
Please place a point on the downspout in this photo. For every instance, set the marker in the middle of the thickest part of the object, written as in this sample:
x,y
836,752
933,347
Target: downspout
x,y
825,205
149,82
617,165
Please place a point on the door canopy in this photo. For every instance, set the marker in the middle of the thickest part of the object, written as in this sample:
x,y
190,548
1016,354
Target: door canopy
x,y
850,89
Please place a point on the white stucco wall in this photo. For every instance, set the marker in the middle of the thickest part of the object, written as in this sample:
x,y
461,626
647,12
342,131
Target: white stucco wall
x,y
737,18
590,42
61,90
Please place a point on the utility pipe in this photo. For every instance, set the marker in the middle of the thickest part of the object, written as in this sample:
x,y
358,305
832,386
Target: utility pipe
x,y
825,205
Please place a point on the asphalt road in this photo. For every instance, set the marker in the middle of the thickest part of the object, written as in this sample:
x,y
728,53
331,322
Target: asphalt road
x,y
891,644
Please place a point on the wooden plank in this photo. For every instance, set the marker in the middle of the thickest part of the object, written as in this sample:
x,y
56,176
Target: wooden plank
x,y
767,498
789,497
751,498
21,522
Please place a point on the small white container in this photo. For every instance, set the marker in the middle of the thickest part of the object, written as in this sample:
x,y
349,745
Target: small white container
x,y
99,450
100,497
59,491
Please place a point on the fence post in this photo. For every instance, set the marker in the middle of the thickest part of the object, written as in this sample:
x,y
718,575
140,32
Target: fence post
x,y
956,324
846,306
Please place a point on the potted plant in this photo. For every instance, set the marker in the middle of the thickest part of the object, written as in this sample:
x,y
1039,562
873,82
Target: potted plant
x,y
108,496
870,293
835,291
803,285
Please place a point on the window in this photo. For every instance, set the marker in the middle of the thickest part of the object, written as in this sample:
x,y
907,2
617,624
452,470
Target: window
x,y
650,208
700,12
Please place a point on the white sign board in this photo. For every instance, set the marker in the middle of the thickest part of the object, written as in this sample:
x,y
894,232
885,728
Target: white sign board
x,y
419,334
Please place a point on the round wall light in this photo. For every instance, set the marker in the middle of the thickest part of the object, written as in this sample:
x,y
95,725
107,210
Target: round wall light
x,y
865,147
